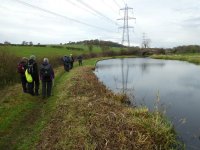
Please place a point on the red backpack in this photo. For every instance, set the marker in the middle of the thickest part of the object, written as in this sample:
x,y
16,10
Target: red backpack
x,y
20,68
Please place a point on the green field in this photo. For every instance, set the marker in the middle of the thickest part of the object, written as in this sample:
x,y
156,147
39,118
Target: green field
x,y
26,51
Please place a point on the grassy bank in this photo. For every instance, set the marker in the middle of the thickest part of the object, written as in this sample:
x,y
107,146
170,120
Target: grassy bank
x,y
89,116
81,114
193,58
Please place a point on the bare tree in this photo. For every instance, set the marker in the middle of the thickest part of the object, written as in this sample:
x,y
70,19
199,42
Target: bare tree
x,y
146,43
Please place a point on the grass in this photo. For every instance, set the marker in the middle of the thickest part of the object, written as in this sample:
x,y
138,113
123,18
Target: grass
x,y
21,117
82,114
91,117
193,58
26,51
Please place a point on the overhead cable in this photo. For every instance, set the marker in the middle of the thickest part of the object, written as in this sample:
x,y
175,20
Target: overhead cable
x,y
117,4
56,14
96,11
73,3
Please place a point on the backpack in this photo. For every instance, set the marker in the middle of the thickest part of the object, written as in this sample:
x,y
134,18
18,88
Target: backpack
x,y
66,59
46,71
30,68
21,68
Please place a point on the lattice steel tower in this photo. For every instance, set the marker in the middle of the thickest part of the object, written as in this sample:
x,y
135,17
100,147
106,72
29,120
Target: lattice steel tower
x,y
126,27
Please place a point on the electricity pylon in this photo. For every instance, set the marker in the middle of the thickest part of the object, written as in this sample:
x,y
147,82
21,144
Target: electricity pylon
x,y
126,27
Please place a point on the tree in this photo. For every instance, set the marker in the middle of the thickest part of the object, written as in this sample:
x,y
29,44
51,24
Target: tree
x,y
7,43
23,42
104,48
90,47
146,43
30,43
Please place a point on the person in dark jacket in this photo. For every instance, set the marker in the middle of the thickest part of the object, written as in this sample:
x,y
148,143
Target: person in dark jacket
x,y
80,60
21,68
66,63
71,61
46,76
33,70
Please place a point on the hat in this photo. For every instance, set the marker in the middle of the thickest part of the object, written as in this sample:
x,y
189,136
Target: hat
x,y
32,57
24,59
46,60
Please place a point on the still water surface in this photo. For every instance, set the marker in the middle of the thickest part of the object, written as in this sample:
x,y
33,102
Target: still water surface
x,y
176,82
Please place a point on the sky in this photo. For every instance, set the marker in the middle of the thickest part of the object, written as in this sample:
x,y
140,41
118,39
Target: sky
x,y
167,23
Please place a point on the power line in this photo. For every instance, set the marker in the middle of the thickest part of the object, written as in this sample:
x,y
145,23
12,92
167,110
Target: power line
x,y
124,2
72,2
97,12
109,6
88,10
116,3
56,14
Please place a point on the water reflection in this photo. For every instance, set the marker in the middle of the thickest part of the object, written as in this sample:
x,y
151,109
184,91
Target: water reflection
x,y
178,84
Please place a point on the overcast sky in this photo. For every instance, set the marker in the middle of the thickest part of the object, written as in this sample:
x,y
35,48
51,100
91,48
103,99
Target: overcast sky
x,y
168,23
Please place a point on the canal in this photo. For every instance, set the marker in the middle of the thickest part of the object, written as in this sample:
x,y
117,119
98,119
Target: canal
x,y
174,86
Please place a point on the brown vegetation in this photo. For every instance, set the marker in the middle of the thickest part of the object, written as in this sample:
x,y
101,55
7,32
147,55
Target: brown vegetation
x,y
89,116
8,65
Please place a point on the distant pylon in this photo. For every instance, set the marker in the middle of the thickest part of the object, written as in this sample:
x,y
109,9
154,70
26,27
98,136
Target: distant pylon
x,y
126,27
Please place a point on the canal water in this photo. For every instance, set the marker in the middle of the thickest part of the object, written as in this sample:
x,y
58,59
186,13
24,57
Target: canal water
x,y
175,83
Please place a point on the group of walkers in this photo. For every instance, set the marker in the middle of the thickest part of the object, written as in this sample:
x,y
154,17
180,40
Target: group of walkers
x,y
30,74
68,62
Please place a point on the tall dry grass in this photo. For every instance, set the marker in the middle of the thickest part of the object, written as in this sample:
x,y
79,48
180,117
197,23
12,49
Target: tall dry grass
x,y
8,72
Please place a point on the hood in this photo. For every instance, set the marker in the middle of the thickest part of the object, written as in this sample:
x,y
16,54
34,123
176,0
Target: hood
x,y
45,63
31,61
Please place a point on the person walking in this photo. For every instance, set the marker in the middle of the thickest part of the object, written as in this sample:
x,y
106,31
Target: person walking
x,y
66,63
32,69
21,68
46,76
71,61
80,60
